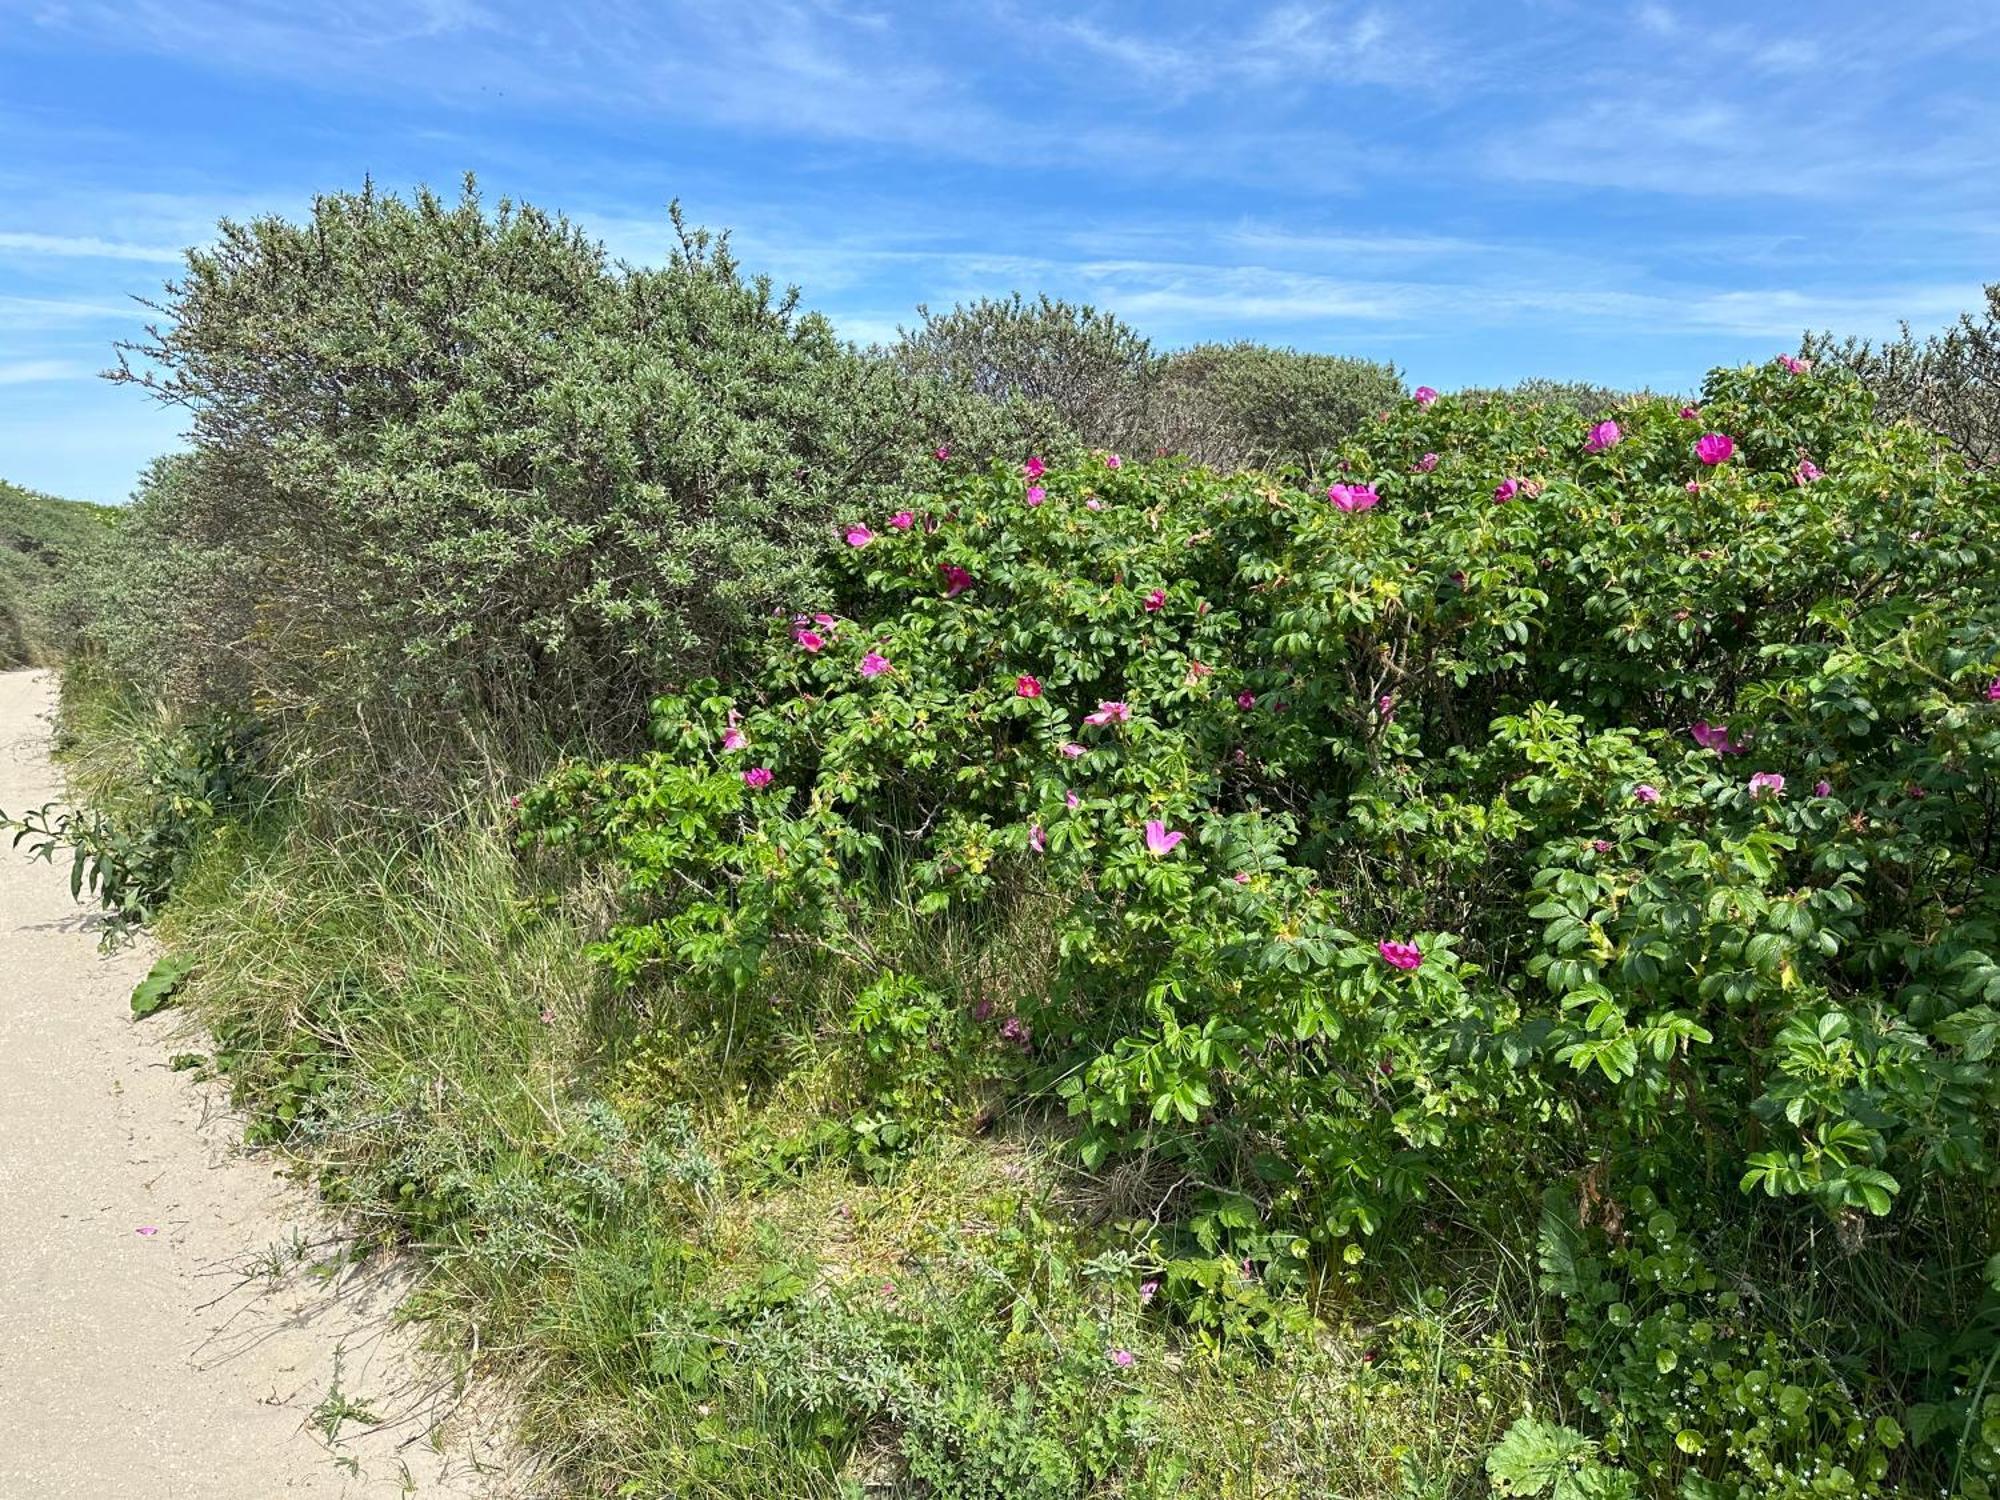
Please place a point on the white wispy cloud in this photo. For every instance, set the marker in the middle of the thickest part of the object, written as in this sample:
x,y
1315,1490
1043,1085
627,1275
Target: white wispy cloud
x,y
1294,48
83,247
1758,107
60,312
41,371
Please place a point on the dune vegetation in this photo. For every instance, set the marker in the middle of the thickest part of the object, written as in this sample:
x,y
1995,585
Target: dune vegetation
x,y
1019,915
41,539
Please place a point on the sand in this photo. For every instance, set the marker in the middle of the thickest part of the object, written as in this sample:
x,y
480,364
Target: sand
x,y
169,1324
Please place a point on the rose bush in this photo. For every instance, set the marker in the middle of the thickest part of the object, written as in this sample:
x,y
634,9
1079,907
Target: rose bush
x,y
1605,810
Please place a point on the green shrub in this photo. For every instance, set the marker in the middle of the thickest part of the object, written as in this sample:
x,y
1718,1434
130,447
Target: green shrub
x,y
1948,383
130,849
460,470
1585,398
1080,376
41,540
1539,807
157,603
1075,375
1251,405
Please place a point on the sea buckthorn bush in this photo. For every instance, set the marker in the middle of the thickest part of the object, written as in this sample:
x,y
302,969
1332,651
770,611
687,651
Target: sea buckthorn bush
x,y
1585,819
1949,382
458,483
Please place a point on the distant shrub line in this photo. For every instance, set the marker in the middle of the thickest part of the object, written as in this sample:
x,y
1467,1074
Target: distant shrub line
x,y
42,543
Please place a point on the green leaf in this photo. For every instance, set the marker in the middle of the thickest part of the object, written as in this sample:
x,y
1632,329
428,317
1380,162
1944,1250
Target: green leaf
x,y
156,991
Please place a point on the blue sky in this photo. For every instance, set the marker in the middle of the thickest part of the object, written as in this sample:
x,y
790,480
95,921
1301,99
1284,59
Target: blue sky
x,y
1477,191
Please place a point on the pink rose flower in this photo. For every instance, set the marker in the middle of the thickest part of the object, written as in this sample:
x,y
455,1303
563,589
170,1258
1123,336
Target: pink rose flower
x,y
902,520
1072,749
1113,461
1122,1358
1506,490
1795,365
1715,737
874,664
1036,494
1425,464
734,739
1714,448
1353,497
1423,395
957,579
1765,783
1603,435
1035,840
757,778
1822,789
1645,792
1034,468
1026,686
1400,955
1690,413
1246,700
1110,712
1093,503
943,452
811,640
1806,472
1158,840
1156,601
859,536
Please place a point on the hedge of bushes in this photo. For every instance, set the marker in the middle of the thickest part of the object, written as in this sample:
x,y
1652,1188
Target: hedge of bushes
x,y
1542,831
459,485
1583,824
1230,406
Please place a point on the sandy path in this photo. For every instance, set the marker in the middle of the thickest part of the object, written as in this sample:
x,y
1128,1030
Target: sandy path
x,y
166,1365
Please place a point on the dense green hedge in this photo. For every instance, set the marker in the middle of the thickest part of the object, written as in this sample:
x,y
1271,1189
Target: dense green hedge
x,y
1565,841
1591,824
450,467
